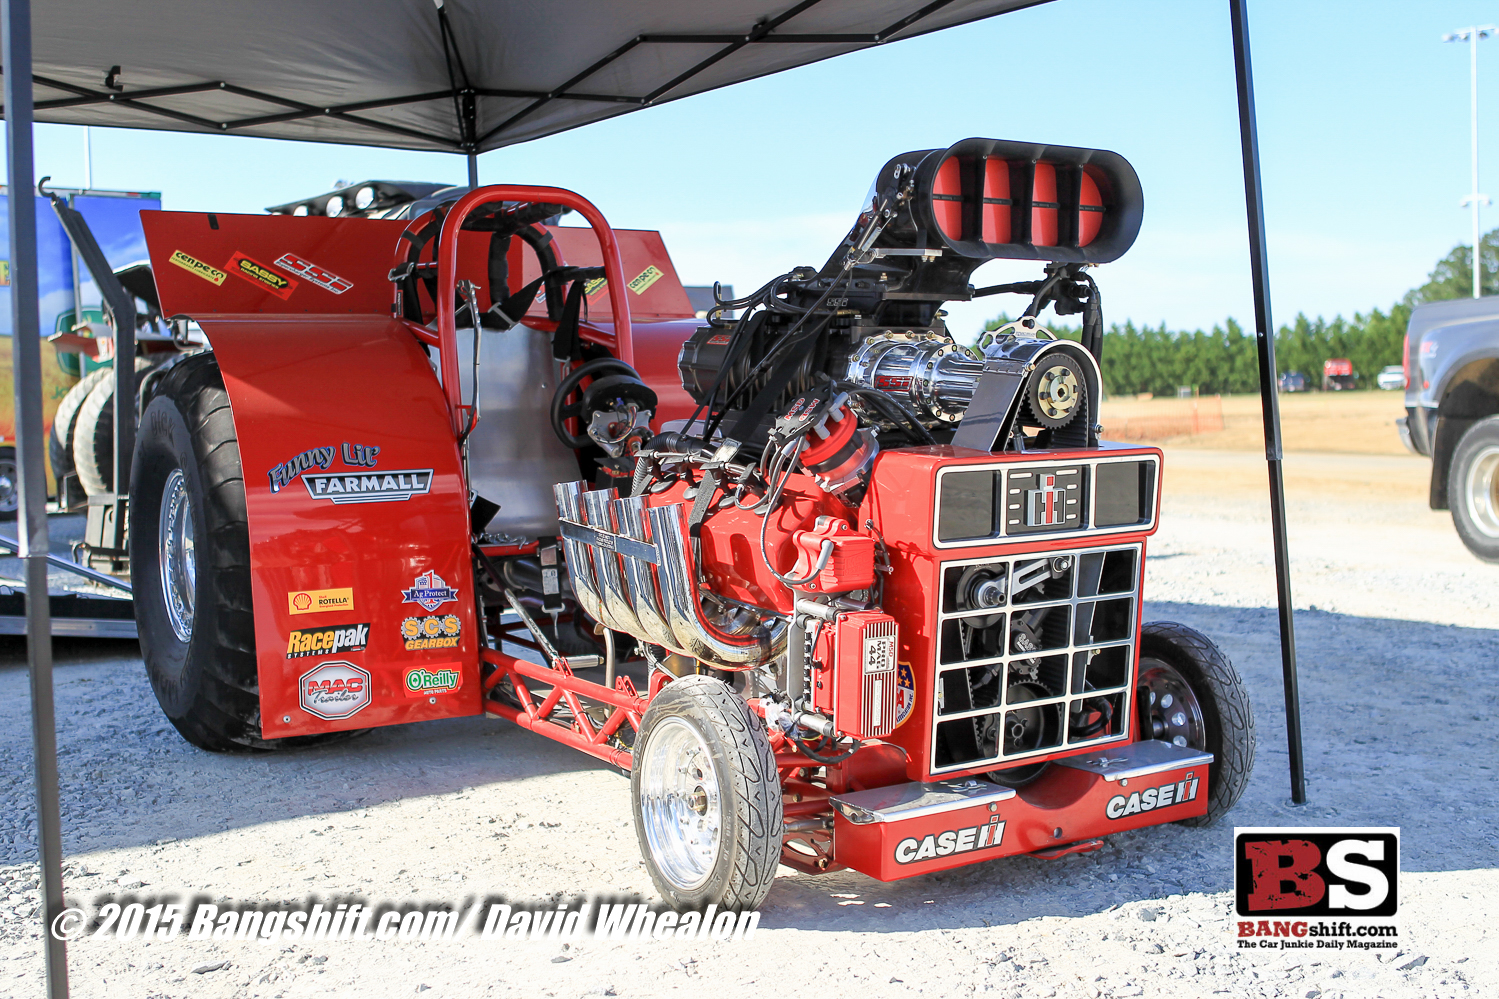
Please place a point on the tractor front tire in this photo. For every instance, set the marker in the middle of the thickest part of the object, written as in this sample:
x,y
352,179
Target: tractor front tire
x,y
190,564
65,422
706,797
1191,695
1473,489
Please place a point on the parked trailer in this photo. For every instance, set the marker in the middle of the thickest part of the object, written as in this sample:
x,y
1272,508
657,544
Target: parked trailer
x,y
834,590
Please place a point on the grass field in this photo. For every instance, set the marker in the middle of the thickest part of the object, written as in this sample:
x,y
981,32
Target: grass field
x,y
1335,422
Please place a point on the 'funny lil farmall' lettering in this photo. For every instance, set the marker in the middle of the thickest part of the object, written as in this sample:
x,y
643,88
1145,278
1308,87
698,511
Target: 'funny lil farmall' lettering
x,y
282,475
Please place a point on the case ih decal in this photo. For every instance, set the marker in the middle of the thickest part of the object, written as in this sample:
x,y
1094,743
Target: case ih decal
x,y
195,266
1152,798
950,841
386,487
326,280
282,475
442,680
257,273
320,601
437,632
429,591
334,691
327,641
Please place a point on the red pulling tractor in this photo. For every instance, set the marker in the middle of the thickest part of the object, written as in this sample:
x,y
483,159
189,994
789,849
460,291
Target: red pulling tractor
x,y
833,589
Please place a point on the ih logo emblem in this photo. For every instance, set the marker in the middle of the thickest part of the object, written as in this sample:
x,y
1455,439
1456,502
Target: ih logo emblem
x,y
334,691
1047,505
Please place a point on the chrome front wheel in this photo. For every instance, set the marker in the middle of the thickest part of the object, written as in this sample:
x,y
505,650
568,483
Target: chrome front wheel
x,y
179,564
681,803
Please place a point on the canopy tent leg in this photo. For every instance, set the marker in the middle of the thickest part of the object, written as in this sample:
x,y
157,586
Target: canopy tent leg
x,y
1269,402
473,170
26,352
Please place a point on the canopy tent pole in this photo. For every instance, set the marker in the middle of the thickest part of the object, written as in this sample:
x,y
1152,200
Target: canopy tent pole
x,y
26,354
473,169
1269,402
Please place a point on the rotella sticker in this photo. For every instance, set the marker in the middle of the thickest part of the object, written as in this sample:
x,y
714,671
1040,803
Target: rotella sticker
x,y
257,273
195,266
320,601
436,632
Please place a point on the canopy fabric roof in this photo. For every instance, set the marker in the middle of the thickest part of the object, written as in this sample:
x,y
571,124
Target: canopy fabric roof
x,y
468,76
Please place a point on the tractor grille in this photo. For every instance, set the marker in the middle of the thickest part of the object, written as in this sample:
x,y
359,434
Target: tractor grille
x,y
1035,654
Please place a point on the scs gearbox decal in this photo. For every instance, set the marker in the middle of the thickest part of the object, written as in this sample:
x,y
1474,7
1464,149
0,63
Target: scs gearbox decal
x,y
327,641
334,690
436,632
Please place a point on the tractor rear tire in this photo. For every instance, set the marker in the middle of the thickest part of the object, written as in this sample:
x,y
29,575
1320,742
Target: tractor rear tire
x,y
94,434
1473,489
60,442
192,593
706,797
1221,721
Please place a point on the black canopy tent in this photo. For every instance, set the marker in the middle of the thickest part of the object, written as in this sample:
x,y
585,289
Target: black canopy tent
x,y
463,76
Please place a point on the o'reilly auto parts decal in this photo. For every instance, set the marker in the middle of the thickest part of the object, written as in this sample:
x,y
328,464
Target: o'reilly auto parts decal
x,y
369,487
944,844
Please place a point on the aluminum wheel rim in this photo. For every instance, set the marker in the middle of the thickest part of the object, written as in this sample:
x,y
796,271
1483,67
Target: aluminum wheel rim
x,y
9,499
680,803
179,565
1483,491
1175,715
1057,392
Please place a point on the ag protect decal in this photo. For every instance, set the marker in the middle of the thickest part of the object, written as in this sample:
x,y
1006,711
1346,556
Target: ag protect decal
x,y
905,693
334,690
948,842
370,487
324,279
429,591
320,601
1151,798
440,631
195,266
441,679
257,273
327,641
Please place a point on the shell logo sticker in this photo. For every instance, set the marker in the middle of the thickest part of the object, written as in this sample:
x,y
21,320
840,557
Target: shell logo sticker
x,y
646,278
905,693
320,601
257,273
195,266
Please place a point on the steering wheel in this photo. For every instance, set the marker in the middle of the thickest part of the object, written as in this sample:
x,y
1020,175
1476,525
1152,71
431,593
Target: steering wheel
x,y
561,412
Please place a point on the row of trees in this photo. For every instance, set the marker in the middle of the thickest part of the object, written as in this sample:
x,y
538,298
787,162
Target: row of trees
x,y
1224,360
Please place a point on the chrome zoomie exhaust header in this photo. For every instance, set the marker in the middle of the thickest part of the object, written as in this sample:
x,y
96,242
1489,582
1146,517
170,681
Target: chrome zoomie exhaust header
x,y
634,570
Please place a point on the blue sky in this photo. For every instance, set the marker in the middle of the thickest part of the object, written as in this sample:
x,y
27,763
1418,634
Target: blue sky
x,y
1363,130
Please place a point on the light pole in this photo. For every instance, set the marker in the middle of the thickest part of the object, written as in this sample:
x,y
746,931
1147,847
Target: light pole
x,y
1472,36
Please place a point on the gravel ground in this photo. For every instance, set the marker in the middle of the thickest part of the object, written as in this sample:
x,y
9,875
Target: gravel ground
x,y
1399,692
